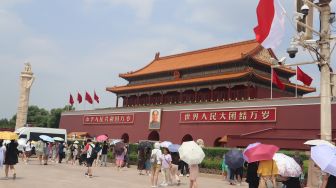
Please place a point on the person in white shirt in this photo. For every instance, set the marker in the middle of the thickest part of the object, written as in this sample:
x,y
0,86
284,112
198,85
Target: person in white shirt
x,y
2,153
27,151
156,164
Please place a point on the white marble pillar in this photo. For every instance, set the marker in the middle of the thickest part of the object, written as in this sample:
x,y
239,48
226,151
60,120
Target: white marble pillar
x,y
26,81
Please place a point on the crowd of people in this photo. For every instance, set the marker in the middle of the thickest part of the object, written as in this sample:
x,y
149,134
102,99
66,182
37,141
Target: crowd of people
x,y
158,162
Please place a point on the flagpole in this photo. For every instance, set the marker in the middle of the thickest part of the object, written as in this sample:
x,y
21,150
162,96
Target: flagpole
x,y
296,83
271,82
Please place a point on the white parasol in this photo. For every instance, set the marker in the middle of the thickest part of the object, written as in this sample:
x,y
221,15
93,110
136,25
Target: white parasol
x,y
287,166
318,142
191,153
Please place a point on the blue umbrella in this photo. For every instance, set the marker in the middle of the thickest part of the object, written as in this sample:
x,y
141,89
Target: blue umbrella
x,y
234,159
46,138
325,157
174,147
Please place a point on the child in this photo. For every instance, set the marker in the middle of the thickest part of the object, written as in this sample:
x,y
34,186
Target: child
x,y
166,160
225,169
147,161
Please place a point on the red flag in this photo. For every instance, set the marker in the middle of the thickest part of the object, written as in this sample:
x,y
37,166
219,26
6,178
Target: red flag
x,y
303,77
96,98
277,81
71,100
88,98
271,23
79,98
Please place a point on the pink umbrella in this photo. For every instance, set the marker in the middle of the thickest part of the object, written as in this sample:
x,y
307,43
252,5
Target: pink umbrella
x,y
261,152
250,146
101,138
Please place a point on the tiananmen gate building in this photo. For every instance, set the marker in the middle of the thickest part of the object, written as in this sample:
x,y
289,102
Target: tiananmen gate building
x,y
221,95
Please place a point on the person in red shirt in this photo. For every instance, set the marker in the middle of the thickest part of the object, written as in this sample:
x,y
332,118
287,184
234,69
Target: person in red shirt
x,y
89,160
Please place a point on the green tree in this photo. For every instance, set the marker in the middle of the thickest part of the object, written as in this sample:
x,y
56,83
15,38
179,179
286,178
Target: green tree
x,y
55,116
37,116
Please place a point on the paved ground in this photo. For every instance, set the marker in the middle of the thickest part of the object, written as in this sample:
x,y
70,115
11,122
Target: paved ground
x,y
54,175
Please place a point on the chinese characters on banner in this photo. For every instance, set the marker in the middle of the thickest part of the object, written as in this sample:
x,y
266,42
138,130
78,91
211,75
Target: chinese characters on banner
x,y
247,115
108,119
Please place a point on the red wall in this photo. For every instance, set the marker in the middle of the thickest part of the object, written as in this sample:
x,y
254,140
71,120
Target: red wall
x,y
294,125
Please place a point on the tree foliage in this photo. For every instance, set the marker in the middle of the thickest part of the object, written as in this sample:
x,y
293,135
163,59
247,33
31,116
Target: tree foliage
x,y
38,117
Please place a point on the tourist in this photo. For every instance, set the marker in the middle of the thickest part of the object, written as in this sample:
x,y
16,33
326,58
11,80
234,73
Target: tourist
x,y
120,157
27,151
11,158
166,160
194,171
54,152
2,153
88,150
104,154
155,164
46,153
126,157
331,182
61,153
299,161
74,153
98,148
68,153
251,175
147,160
40,150
184,167
225,169
267,171
141,160
174,167
314,175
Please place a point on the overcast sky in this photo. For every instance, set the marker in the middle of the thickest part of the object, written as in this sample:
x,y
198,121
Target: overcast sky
x,y
82,45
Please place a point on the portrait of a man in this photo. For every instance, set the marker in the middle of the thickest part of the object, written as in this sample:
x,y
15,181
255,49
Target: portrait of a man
x,y
155,119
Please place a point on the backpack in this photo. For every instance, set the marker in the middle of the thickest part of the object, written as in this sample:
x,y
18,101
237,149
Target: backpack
x,y
153,159
94,152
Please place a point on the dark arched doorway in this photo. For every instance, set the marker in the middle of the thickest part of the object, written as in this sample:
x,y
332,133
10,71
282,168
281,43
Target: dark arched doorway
x,y
125,138
154,135
186,138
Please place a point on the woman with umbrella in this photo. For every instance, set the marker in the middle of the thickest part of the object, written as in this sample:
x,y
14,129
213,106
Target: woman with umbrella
x,y
120,152
11,158
252,176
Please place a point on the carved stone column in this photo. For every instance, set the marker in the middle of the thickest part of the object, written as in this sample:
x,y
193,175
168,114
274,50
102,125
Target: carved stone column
x,y
26,81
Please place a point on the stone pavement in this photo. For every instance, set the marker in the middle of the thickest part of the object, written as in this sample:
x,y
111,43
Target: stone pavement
x,y
63,175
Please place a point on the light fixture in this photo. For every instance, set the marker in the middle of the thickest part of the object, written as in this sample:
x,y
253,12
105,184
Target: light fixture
x,y
332,17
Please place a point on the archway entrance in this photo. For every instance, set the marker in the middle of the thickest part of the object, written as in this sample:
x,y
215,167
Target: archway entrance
x,y
186,138
125,138
154,135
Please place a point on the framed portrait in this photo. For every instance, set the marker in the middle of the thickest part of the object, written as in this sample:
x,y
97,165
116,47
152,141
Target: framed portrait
x,y
155,119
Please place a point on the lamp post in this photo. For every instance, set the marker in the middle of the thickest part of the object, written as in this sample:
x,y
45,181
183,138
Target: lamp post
x,y
323,54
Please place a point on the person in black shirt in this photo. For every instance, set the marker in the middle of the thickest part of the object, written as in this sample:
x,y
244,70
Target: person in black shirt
x,y
174,168
105,148
251,176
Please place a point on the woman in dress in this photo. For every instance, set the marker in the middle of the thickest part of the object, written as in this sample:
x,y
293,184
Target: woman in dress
x,y
11,158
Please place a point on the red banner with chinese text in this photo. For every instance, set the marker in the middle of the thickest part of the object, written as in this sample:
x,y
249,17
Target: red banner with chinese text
x,y
234,115
108,119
